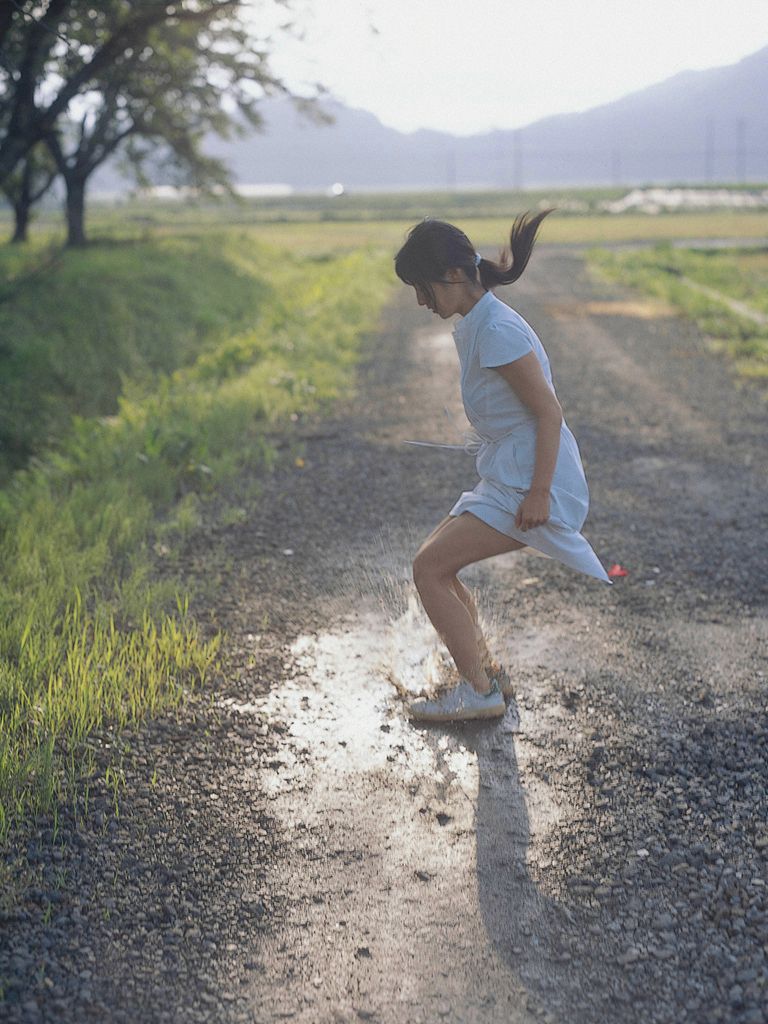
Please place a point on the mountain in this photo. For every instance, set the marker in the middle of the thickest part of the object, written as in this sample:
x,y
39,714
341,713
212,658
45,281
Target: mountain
x,y
695,127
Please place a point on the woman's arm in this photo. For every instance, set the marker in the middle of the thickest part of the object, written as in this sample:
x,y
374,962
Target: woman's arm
x,y
527,380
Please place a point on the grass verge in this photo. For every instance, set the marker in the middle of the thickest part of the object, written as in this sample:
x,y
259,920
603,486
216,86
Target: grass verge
x,y
732,311
77,324
87,638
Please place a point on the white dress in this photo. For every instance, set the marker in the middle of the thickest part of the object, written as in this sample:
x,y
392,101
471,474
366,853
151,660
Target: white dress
x,y
504,439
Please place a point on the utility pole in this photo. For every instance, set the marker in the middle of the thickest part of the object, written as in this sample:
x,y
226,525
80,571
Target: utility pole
x,y
616,166
450,170
709,148
741,149
517,159
499,140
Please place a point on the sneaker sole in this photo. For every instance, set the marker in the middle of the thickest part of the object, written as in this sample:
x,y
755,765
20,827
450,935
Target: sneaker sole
x,y
470,715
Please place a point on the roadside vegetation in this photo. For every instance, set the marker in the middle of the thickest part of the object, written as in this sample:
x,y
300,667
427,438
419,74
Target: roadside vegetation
x,y
724,290
77,325
88,638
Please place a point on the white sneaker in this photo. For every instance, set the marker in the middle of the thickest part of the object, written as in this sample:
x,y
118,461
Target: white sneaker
x,y
459,704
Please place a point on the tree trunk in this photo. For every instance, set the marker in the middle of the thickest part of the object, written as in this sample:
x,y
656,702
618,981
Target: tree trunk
x,y
21,213
22,201
75,210
12,149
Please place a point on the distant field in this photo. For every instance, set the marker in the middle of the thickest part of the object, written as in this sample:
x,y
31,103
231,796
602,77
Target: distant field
x,y
352,206
311,238
313,224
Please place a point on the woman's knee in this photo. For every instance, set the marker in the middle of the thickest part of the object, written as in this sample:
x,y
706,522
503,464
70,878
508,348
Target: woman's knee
x,y
426,566
419,566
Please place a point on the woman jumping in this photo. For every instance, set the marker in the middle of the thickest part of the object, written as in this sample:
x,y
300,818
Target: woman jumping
x,y
532,489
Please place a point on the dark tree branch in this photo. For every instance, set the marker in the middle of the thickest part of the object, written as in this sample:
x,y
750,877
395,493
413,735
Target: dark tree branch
x,y
20,134
27,124
38,21
110,145
35,196
129,35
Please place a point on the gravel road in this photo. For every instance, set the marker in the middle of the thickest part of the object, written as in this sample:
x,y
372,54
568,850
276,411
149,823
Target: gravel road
x,y
304,854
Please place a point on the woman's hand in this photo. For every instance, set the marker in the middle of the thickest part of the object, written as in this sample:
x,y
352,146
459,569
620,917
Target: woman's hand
x,y
533,510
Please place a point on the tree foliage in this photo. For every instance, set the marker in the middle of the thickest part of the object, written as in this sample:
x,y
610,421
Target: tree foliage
x,y
149,78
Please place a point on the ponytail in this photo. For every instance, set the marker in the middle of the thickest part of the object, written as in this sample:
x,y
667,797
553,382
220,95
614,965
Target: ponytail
x,y
434,246
514,259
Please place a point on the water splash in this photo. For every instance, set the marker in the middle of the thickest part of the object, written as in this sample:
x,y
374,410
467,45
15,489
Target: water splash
x,y
414,660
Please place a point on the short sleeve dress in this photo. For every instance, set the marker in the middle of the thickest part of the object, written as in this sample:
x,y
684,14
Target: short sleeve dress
x,y
504,439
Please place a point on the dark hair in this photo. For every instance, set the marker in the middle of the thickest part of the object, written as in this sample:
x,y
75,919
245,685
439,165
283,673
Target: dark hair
x,y
434,246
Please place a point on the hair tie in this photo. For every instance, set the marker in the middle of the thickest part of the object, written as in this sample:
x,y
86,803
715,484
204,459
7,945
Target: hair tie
x,y
478,257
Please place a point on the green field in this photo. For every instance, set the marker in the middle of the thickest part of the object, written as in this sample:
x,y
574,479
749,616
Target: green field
x,y
142,373
317,223
493,232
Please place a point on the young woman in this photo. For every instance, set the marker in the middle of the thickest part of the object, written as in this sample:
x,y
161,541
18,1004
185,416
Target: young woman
x,y
532,489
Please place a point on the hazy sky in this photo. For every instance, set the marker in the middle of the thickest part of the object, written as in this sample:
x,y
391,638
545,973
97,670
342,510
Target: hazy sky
x,y
471,66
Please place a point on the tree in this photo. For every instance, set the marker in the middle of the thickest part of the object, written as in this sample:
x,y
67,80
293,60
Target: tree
x,y
161,99
28,38
27,185
89,150
86,43
146,74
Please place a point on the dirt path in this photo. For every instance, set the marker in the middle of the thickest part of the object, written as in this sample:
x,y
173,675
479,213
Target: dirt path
x,y
450,873
600,854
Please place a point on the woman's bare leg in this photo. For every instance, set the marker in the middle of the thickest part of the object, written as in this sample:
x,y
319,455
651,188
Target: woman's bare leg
x,y
452,546
464,594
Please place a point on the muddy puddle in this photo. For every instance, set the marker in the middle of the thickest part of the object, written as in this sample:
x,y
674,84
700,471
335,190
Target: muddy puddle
x,y
419,839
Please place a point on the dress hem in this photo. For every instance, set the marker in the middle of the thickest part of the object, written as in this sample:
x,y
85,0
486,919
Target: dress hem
x,y
582,558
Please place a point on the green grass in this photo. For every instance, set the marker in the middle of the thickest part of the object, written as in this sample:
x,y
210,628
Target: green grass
x,y
77,324
737,274
357,206
89,636
493,232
